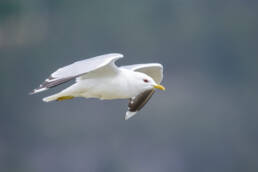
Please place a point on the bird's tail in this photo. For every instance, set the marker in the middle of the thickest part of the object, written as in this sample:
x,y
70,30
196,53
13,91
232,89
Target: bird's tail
x,y
51,98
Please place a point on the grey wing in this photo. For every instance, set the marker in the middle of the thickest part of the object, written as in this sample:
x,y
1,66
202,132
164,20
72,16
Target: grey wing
x,y
77,69
136,103
154,70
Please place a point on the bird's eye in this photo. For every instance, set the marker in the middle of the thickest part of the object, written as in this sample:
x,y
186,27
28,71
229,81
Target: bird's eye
x,y
145,80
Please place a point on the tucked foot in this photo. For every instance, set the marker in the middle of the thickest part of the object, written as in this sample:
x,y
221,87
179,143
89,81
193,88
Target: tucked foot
x,y
64,98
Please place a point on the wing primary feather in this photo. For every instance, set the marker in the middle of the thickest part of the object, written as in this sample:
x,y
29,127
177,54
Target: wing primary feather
x,y
49,83
136,103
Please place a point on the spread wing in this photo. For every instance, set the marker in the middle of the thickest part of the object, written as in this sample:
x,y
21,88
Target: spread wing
x,y
77,69
154,70
136,103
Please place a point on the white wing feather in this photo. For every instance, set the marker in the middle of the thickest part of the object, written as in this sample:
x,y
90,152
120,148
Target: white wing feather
x,y
77,69
154,70
85,66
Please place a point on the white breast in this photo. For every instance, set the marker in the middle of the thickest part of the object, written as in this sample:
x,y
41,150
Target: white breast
x,y
118,86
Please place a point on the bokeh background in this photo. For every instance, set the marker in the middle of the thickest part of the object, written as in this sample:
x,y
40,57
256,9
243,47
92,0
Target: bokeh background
x,y
206,120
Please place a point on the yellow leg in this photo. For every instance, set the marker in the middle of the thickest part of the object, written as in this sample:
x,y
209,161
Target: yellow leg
x,y
64,98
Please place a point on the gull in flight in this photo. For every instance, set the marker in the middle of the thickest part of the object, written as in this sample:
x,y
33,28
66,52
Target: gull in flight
x,y
99,77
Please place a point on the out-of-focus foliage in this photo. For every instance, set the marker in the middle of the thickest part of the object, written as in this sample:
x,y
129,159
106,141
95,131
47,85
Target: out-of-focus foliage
x,y
205,121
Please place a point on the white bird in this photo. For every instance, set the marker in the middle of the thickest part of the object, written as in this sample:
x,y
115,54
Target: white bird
x,y
99,77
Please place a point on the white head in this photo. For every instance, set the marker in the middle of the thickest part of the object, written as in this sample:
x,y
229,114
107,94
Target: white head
x,y
145,82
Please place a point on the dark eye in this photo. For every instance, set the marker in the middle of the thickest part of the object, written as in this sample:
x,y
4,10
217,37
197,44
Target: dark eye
x,y
145,80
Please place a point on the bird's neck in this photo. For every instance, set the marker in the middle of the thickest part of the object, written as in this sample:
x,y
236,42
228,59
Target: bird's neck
x,y
128,83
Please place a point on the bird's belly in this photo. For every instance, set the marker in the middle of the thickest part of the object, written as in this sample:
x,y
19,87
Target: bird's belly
x,y
104,94
105,90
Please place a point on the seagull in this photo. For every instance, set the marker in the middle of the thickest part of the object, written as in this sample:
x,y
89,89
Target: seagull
x,y
99,77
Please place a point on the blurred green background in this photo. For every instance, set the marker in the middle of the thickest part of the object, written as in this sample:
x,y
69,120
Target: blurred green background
x,y
206,120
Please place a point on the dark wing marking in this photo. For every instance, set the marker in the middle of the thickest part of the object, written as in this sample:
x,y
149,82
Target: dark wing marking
x,y
135,104
49,84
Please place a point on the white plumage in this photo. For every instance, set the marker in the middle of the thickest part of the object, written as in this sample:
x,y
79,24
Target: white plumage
x,y
99,77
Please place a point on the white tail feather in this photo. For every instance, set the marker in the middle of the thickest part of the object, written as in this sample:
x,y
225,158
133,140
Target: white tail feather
x,y
51,98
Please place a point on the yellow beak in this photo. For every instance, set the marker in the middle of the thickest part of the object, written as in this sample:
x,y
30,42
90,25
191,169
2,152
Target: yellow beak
x,y
160,87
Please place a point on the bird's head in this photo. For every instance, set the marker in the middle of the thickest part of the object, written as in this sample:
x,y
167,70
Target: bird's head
x,y
145,82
